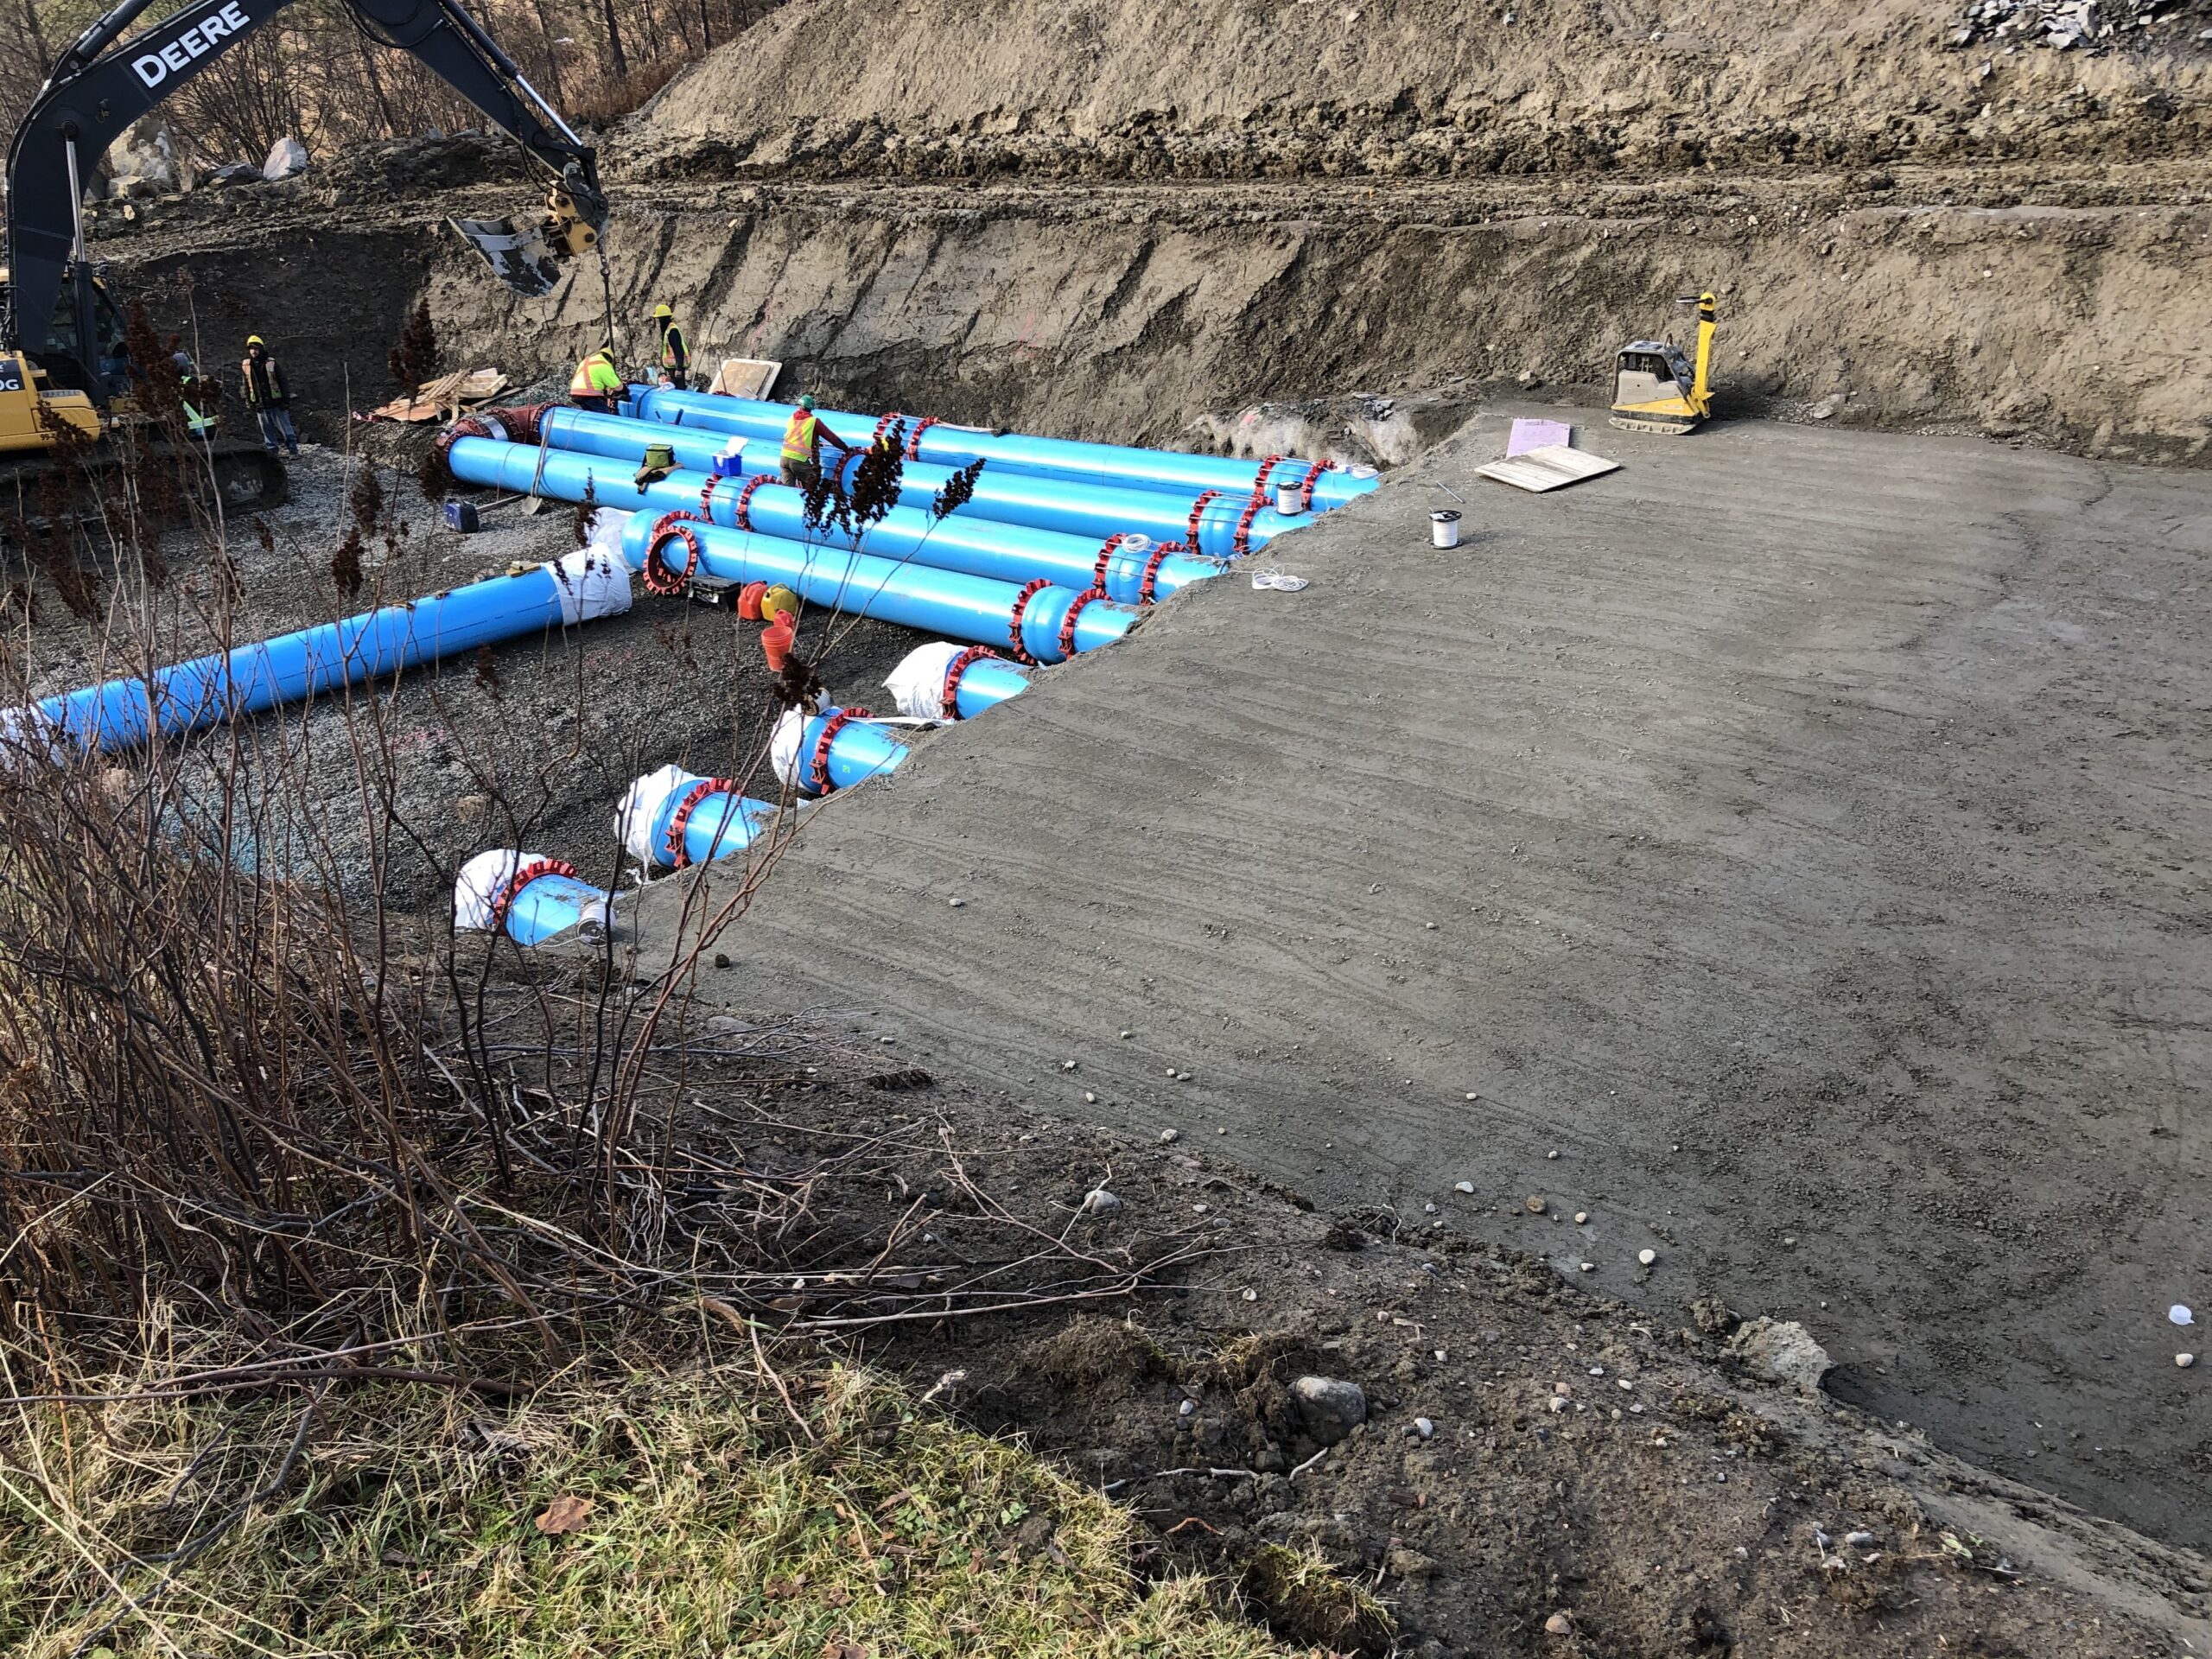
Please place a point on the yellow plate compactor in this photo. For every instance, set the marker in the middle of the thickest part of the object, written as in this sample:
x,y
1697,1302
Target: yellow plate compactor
x,y
1656,389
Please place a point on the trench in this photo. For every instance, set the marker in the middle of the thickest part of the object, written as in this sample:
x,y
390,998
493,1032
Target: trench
x,y
1129,315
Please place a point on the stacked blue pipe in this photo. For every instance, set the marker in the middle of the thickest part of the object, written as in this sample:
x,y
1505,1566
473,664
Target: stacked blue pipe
x,y
1094,510
941,681
955,446
976,547
672,818
833,750
208,689
975,608
527,896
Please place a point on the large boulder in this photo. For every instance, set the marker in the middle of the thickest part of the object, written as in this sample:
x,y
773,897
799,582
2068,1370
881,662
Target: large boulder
x,y
287,158
147,149
1329,1408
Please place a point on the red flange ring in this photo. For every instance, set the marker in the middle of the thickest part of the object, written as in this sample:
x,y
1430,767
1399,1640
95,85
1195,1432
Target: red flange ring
x,y
1313,477
521,879
680,820
1090,595
671,526
1013,627
817,768
914,438
1146,594
958,666
1197,507
707,498
885,425
744,497
1105,558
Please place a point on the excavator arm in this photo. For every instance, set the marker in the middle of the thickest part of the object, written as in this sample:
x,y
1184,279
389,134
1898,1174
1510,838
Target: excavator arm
x,y
94,93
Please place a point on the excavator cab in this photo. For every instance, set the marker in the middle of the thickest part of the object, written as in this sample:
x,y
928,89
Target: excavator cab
x,y
1657,388
31,403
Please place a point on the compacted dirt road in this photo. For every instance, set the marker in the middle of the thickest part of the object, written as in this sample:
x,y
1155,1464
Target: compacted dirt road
x,y
1789,850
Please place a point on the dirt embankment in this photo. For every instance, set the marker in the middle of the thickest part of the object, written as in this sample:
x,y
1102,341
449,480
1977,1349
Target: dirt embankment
x,y
1129,312
1150,88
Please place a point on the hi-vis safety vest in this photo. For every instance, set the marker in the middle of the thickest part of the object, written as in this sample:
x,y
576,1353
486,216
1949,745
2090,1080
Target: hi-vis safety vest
x,y
594,377
798,437
673,353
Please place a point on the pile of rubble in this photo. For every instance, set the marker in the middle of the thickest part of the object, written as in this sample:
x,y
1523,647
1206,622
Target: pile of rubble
x,y
2065,25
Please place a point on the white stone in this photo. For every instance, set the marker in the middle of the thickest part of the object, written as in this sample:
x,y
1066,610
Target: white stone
x,y
288,157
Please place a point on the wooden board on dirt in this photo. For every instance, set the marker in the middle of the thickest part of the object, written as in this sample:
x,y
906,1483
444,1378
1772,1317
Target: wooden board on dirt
x,y
462,389
1548,467
746,377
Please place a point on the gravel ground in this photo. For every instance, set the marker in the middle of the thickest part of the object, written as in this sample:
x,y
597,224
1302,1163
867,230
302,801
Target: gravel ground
x,y
529,744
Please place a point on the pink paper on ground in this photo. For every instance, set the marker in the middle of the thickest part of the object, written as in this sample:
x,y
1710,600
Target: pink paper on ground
x,y
1536,434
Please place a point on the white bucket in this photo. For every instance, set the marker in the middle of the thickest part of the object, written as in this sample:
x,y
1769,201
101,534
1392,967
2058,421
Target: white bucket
x,y
1287,494
1444,527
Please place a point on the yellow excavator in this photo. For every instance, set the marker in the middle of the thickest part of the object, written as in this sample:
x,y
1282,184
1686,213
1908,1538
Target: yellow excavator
x,y
1656,389
66,380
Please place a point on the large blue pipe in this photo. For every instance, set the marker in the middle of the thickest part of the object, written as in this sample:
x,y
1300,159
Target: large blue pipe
x,y
527,896
979,548
979,680
955,446
832,750
1091,511
975,608
673,817
224,686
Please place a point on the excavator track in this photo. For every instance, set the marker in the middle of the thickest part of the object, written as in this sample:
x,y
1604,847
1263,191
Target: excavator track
x,y
237,475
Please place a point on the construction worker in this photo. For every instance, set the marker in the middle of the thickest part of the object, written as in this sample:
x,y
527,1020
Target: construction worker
x,y
803,441
675,351
595,384
269,396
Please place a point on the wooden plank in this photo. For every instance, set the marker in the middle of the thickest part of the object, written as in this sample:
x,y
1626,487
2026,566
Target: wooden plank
x,y
746,377
1548,468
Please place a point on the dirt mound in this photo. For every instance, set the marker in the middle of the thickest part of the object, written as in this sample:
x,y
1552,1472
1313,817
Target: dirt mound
x,y
1150,88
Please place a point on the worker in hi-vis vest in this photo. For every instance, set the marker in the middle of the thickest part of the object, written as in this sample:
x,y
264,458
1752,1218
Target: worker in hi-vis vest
x,y
595,384
803,441
675,350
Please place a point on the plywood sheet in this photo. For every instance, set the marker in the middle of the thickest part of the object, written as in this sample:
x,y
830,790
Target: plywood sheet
x,y
746,377
1548,468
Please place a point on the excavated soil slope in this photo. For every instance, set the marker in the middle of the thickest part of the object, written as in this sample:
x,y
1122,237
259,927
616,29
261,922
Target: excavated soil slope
x,y
1406,88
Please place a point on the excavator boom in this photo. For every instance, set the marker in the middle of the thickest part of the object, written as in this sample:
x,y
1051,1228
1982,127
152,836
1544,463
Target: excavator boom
x,y
104,82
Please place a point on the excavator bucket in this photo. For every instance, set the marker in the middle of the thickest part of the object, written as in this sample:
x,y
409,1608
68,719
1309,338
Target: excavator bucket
x,y
518,254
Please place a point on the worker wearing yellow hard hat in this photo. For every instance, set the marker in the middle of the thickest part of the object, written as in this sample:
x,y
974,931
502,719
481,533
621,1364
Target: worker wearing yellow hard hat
x,y
268,396
596,385
675,350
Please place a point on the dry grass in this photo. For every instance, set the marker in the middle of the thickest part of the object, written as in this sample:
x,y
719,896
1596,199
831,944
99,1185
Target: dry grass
x,y
849,1522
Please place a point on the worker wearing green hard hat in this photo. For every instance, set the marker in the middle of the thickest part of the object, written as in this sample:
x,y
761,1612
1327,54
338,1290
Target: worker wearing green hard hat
x,y
803,441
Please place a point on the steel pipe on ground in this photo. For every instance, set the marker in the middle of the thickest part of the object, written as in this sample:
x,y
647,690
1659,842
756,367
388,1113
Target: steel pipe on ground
x,y
955,446
1072,508
207,691
944,681
1133,570
1046,623
672,817
527,896
833,750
